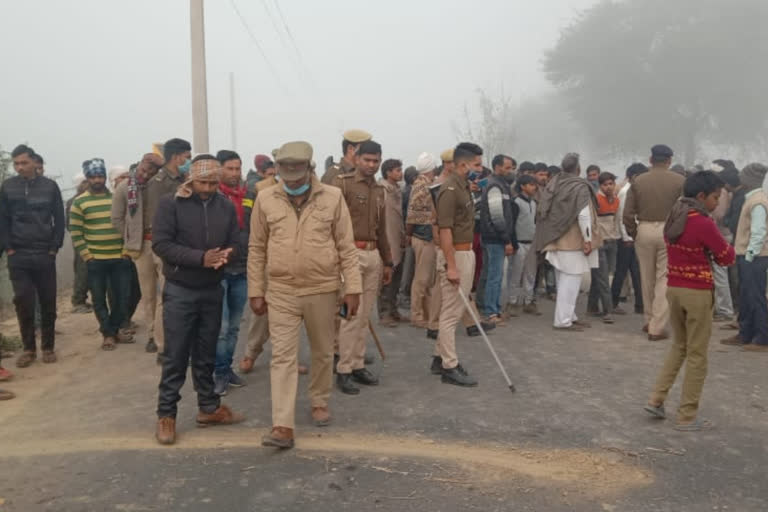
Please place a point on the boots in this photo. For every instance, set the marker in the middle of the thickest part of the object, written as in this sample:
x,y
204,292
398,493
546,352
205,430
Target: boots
x,y
166,430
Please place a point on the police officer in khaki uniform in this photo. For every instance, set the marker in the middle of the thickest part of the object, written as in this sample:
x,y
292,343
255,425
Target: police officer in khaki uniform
x,y
352,140
365,199
447,158
455,259
301,246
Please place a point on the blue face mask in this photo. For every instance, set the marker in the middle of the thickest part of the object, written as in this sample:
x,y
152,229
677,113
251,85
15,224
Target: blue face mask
x,y
296,191
184,168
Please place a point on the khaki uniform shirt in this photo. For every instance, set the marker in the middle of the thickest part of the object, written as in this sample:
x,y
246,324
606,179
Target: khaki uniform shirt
x,y
456,210
302,251
393,210
651,198
365,200
161,185
343,167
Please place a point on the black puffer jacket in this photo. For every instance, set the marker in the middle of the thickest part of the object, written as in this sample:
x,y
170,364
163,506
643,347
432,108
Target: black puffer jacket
x,y
183,229
492,229
31,215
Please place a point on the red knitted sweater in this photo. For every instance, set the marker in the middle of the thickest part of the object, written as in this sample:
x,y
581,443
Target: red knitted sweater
x,y
688,261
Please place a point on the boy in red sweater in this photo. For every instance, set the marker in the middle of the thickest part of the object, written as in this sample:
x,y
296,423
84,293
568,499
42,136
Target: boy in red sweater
x,y
693,241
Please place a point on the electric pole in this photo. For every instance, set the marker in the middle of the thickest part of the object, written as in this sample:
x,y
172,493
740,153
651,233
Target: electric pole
x,y
199,86
232,117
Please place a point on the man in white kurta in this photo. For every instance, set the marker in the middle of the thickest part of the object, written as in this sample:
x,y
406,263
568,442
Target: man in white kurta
x,y
566,231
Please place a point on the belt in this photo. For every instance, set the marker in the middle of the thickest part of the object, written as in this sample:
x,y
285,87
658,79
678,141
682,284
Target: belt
x,y
369,245
463,247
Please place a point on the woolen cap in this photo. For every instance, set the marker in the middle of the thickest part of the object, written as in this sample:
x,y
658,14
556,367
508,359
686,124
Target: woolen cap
x,y
357,136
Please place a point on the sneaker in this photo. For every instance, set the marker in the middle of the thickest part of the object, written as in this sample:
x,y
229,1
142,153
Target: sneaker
x,y
458,378
165,432
437,365
280,437
26,359
221,416
531,309
151,346
235,381
220,383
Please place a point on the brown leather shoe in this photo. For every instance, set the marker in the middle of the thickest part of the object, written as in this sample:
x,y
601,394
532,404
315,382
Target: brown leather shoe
x,y
221,416
166,430
733,340
321,417
26,359
280,437
246,365
658,337
754,347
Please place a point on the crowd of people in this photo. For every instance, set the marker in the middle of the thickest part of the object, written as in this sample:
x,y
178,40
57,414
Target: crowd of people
x,y
194,242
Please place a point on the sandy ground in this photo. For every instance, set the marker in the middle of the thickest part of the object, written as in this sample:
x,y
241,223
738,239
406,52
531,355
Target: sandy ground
x,y
80,434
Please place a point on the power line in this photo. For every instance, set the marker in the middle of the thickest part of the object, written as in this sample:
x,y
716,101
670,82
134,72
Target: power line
x,y
293,41
274,22
256,42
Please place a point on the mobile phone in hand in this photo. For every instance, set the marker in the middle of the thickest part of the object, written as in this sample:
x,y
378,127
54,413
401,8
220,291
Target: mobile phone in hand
x,y
343,311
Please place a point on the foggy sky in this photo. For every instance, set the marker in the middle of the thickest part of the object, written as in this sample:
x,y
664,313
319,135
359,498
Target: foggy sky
x,y
107,78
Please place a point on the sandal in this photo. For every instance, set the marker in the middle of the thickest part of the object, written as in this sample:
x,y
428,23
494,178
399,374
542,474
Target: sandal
x,y
657,411
108,343
696,425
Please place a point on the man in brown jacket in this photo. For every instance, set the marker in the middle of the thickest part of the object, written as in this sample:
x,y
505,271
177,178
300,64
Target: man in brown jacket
x,y
365,200
301,246
649,201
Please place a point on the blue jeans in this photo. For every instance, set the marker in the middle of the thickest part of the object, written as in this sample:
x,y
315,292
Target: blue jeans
x,y
235,296
495,271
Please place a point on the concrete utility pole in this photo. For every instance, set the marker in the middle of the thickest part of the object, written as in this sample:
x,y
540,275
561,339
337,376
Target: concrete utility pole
x,y
232,118
199,86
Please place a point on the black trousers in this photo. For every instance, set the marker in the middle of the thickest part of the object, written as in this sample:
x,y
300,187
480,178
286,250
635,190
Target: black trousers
x,y
626,261
388,294
80,285
753,310
191,323
134,294
34,274
111,274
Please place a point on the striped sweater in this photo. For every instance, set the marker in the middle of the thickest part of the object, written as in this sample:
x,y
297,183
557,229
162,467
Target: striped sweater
x,y
90,225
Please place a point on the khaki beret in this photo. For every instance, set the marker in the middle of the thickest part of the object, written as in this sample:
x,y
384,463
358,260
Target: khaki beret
x,y
447,155
357,136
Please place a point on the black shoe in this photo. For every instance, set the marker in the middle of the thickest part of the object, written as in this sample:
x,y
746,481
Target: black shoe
x,y
473,331
432,334
458,377
488,326
151,346
344,382
369,359
437,365
364,376
335,362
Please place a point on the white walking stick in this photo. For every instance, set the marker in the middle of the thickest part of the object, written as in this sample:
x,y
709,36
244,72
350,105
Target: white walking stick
x,y
485,337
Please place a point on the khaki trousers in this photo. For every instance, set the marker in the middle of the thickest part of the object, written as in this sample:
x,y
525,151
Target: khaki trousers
x,y
151,283
691,317
423,278
652,258
258,335
286,313
353,331
452,306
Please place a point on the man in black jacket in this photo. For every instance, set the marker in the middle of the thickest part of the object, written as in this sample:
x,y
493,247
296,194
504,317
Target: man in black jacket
x,y
32,232
194,232
497,230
